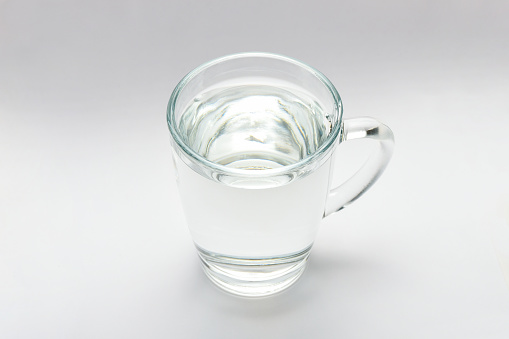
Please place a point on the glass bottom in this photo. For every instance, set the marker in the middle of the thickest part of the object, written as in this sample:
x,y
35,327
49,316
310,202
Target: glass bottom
x,y
253,277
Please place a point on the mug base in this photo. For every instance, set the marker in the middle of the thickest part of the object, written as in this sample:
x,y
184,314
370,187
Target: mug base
x,y
248,277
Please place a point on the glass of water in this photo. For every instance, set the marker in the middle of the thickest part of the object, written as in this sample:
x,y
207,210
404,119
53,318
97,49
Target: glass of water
x,y
253,138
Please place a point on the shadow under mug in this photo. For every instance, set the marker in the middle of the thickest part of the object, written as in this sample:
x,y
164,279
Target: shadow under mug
x,y
253,138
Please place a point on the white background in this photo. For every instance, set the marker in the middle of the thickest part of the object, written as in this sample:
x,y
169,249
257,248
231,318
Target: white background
x,y
93,241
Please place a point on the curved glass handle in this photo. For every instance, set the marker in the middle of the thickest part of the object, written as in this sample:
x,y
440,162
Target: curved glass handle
x,y
360,182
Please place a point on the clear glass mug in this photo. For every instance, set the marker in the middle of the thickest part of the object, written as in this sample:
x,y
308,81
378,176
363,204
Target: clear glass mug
x,y
253,137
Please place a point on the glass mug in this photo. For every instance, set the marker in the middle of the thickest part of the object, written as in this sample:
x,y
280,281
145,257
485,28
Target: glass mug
x,y
253,137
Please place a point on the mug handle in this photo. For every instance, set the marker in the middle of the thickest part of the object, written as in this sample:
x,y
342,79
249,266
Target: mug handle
x,y
358,128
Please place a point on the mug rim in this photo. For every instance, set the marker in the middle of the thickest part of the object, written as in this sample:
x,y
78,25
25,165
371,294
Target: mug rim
x,y
331,138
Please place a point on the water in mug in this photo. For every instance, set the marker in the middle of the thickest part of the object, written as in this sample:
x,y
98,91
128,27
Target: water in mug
x,y
254,128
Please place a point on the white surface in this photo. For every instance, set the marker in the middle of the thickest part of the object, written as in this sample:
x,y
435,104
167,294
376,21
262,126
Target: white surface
x,y
93,243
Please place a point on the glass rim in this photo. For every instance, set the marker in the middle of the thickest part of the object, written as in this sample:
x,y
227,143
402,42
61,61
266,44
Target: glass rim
x,y
331,138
